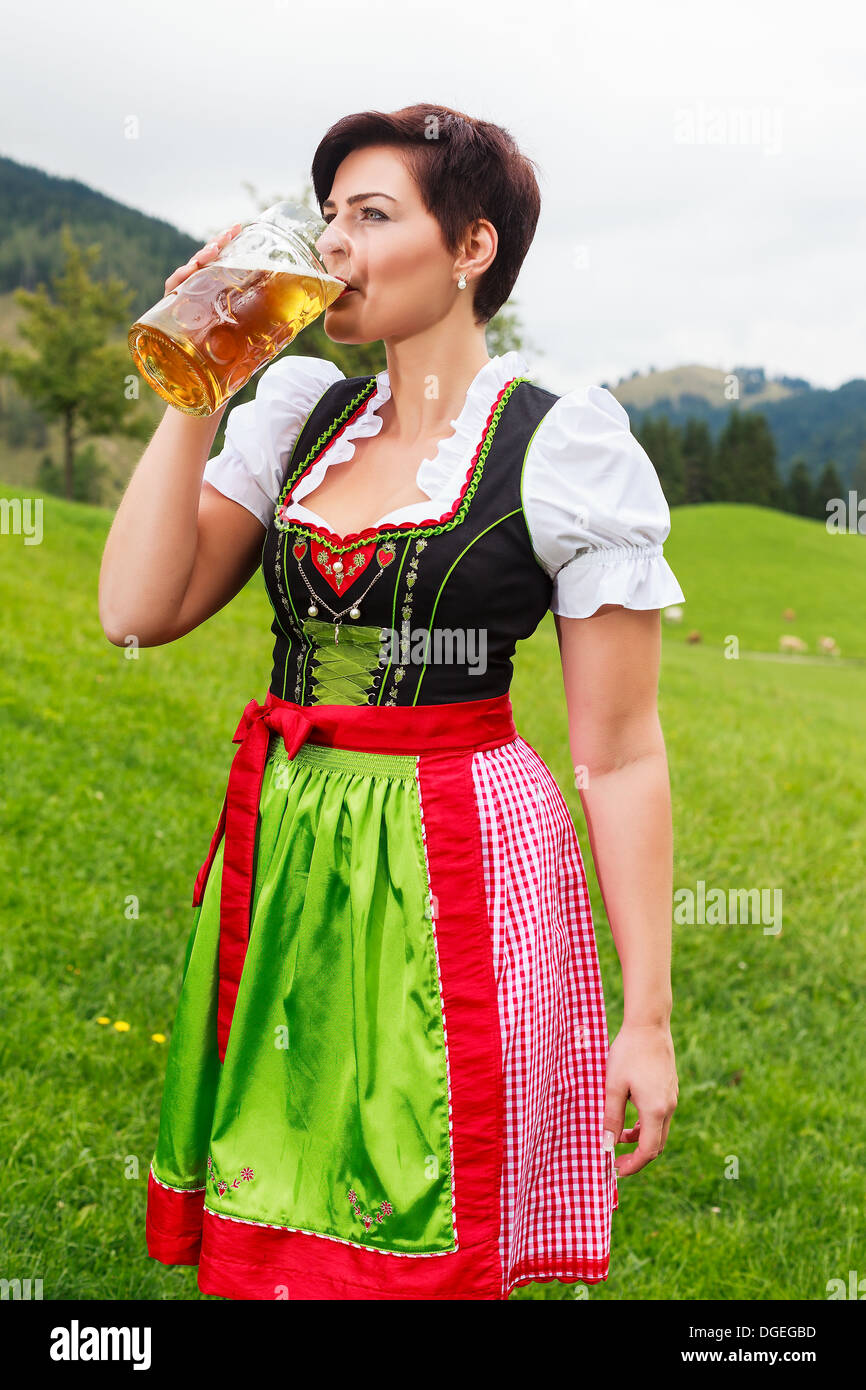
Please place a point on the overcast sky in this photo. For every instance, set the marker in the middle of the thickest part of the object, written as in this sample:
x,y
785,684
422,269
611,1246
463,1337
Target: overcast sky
x,y
702,165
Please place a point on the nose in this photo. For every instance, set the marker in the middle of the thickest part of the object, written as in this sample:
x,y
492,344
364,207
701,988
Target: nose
x,y
335,249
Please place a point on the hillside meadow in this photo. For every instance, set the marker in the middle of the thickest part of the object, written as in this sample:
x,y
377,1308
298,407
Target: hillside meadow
x,y
114,776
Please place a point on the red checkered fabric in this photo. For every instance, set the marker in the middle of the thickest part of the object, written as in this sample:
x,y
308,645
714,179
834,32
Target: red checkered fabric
x,y
558,1188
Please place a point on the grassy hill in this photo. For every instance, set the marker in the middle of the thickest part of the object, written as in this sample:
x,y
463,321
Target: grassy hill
x,y
690,382
746,565
114,778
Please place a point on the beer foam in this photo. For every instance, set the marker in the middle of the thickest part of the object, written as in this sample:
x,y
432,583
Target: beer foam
x,y
238,259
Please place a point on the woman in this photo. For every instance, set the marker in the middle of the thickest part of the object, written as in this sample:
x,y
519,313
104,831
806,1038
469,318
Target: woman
x,y
389,1073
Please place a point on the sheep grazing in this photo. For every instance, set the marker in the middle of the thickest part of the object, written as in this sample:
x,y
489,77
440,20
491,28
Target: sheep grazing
x,y
829,646
789,643
674,614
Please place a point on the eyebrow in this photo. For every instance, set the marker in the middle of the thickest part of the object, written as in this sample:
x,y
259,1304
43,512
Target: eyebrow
x,y
356,198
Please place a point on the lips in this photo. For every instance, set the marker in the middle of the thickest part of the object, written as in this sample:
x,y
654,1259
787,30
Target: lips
x,y
348,290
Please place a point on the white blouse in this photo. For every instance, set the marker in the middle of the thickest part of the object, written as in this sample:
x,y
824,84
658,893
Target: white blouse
x,y
594,507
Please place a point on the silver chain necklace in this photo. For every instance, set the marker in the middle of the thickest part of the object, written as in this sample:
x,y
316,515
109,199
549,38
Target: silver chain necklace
x,y
353,609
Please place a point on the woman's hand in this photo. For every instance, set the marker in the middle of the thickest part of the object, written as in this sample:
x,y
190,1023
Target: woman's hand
x,y
641,1065
201,258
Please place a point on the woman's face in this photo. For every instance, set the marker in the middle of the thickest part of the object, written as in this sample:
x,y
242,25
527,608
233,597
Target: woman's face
x,y
382,239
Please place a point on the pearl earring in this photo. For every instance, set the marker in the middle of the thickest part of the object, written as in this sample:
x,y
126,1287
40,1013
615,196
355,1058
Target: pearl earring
x,y
461,283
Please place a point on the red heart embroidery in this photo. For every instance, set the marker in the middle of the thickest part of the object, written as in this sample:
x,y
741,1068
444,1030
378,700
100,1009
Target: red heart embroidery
x,y
384,556
299,549
354,560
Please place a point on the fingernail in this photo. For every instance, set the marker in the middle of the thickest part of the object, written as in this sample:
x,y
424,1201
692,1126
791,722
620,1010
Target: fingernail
x,y
608,1139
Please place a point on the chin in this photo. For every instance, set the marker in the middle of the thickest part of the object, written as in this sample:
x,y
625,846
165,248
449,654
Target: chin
x,y
343,332
347,337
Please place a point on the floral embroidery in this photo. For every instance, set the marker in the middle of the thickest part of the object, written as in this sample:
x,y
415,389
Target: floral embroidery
x,y
358,562
385,1209
406,614
222,1186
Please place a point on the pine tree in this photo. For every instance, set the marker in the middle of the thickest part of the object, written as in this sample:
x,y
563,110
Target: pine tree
x,y
746,461
729,465
828,487
766,488
697,451
661,442
800,492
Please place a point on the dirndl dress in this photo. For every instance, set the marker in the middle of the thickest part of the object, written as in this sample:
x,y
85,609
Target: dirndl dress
x,y
386,1076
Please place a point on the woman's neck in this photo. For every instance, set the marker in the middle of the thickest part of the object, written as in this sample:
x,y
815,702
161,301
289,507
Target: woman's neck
x,y
428,386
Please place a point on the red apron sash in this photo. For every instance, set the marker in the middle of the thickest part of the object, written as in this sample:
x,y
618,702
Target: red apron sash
x,y
459,727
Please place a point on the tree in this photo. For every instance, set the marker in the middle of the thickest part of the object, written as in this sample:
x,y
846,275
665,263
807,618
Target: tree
x,y
858,477
828,486
697,451
77,375
746,461
660,439
801,494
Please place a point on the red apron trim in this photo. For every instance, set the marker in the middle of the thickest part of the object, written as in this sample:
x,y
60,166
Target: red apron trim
x,y
460,727
173,1223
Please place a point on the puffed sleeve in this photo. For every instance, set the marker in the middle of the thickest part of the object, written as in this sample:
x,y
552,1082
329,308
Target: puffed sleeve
x,y
261,433
595,510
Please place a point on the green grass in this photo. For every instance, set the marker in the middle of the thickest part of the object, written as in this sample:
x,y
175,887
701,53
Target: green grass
x,y
740,567
114,778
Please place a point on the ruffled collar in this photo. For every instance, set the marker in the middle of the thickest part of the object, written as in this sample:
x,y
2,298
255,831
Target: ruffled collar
x,y
441,477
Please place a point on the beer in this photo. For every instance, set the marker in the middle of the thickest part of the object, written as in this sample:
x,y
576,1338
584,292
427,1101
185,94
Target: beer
x,y
202,342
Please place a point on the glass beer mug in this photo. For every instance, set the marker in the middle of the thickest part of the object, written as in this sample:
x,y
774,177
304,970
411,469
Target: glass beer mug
x,y
202,342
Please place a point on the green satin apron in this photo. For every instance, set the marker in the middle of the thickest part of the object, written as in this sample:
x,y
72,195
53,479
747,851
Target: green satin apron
x,y
330,1112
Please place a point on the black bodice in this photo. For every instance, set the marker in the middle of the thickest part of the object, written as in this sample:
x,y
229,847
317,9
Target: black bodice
x,y
459,590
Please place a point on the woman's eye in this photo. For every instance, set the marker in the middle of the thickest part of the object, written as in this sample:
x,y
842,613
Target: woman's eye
x,y
366,208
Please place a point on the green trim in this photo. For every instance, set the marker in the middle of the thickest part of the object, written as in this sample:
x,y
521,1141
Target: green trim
x,y
375,537
393,620
299,621
522,509
288,635
430,625
317,448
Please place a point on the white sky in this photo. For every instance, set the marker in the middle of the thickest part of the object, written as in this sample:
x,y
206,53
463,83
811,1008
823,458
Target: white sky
x,y
703,167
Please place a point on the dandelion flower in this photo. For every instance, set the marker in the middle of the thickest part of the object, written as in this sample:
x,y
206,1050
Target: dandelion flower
x,y
121,1026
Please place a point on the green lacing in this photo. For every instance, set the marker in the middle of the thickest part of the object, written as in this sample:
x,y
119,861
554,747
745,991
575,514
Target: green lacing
x,y
305,528
344,671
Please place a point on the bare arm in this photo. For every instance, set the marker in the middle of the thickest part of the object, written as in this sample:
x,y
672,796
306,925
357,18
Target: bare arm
x,y
178,550
610,665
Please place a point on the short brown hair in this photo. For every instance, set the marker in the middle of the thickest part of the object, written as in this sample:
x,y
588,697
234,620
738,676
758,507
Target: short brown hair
x,y
468,169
